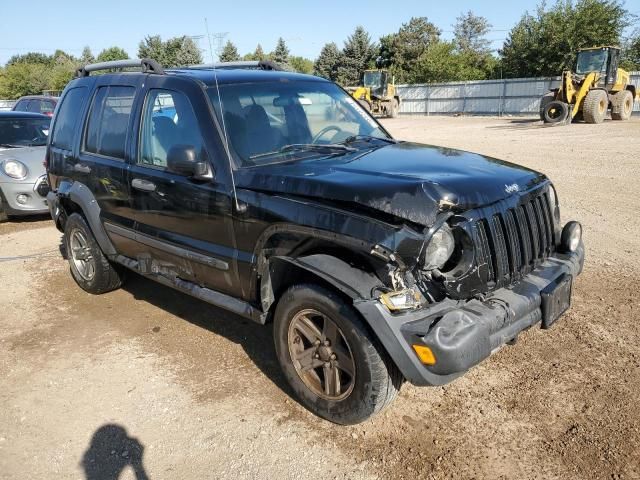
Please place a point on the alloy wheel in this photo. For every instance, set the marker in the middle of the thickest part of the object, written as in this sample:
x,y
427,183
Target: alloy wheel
x,y
321,355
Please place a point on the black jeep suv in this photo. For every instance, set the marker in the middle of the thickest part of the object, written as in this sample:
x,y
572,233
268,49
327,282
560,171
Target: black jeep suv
x,y
276,196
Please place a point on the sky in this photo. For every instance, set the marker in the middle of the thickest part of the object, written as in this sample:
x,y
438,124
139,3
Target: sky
x,y
306,26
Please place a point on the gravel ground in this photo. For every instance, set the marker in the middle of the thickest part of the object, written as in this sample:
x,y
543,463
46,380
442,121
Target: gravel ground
x,y
145,379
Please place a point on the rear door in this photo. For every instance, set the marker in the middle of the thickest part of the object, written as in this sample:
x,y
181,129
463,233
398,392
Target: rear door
x,y
181,222
101,163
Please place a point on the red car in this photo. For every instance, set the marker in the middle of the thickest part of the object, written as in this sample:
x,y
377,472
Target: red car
x,y
37,104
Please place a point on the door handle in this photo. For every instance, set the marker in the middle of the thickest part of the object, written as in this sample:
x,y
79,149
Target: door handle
x,y
144,185
78,167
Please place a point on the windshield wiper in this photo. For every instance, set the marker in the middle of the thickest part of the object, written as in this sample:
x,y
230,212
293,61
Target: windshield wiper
x,y
367,138
302,147
10,145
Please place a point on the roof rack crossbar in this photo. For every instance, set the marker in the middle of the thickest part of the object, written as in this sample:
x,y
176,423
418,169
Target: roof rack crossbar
x,y
249,64
148,66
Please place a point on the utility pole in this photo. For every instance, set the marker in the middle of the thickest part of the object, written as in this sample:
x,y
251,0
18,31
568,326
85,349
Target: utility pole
x,y
216,39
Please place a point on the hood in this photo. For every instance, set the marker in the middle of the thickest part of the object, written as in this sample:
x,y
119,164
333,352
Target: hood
x,y
407,180
32,157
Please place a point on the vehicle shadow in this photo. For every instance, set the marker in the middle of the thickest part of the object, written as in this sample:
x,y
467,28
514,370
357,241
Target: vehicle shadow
x,y
112,450
256,340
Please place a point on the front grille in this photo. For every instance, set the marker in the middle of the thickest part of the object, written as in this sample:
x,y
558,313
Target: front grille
x,y
42,188
513,242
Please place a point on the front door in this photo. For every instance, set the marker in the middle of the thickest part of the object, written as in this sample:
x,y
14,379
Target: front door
x,y
182,223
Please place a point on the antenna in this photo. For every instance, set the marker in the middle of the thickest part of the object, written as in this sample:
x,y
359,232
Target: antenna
x,y
224,124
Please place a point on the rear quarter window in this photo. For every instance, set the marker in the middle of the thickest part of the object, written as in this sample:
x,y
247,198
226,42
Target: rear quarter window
x,y
107,125
67,118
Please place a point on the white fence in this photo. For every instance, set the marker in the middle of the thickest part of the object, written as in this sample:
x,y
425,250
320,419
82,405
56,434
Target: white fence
x,y
515,96
7,104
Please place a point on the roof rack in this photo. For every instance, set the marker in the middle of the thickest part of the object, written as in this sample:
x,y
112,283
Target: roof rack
x,y
246,65
148,65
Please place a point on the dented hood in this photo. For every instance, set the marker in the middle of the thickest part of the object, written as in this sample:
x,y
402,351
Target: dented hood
x,y
408,180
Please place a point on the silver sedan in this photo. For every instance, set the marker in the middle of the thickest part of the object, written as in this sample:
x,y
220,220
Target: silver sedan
x,y
23,179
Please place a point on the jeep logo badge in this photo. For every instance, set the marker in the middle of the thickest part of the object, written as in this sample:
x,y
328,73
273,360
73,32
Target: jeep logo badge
x,y
512,188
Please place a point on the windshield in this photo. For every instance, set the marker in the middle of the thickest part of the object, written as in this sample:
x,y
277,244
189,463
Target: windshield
x,y
272,122
592,61
24,132
372,79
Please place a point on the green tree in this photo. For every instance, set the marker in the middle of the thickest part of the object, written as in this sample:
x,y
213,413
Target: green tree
x,y
111,54
21,78
301,64
281,53
30,57
229,53
470,33
544,44
175,52
257,55
359,53
87,56
327,63
152,47
631,53
402,50
472,47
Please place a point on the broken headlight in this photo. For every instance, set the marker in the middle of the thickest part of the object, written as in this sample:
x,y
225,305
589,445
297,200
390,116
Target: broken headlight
x,y
440,248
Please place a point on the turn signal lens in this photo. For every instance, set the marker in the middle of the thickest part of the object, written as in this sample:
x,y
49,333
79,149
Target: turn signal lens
x,y
425,354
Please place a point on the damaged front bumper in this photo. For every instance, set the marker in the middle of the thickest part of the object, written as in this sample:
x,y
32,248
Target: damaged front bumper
x,y
463,333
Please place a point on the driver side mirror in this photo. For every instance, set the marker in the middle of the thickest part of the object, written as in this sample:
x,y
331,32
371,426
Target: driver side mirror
x,y
183,160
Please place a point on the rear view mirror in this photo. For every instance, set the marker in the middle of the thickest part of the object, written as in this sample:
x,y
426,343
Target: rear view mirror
x,y
183,160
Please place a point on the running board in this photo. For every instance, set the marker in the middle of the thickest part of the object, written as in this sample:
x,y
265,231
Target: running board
x,y
239,307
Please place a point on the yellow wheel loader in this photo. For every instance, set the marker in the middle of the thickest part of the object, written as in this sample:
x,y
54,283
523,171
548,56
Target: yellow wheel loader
x,y
587,94
377,94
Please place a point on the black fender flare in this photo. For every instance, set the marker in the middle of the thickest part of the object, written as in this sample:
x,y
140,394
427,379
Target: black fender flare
x,y
79,194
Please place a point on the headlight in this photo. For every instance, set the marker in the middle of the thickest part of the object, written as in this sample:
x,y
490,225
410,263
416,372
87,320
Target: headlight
x,y
15,169
440,248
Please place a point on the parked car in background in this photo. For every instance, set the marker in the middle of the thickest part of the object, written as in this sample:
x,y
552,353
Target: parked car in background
x,y
23,180
37,104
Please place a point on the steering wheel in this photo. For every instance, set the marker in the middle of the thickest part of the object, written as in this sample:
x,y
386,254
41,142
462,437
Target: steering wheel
x,y
324,131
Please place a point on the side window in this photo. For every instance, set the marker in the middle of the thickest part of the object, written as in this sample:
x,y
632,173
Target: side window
x,y
67,118
108,121
34,105
21,106
168,120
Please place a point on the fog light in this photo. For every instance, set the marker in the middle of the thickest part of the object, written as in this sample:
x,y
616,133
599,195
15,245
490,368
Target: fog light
x,y
22,199
571,235
425,354
401,300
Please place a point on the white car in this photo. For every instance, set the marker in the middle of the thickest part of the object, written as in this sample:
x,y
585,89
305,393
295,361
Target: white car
x,y
23,179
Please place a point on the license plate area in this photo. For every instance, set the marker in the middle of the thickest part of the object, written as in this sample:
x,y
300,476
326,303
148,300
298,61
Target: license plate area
x,y
556,299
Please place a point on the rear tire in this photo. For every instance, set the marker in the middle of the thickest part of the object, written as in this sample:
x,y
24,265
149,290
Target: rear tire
x,y
300,332
556,112
622,105
544,101
394,108
91,270
595,106
3,214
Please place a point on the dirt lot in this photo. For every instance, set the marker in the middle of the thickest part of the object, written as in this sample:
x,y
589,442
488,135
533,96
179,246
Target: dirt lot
x,y
145,379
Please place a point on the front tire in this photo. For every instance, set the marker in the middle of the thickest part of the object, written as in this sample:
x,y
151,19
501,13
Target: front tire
x,y
595,106
394,108
336,367
91,270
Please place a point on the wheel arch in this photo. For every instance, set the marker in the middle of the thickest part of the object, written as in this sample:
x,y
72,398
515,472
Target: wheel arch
x,y
75,197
